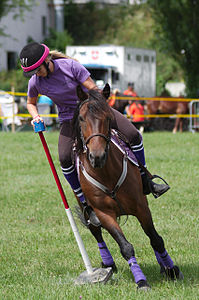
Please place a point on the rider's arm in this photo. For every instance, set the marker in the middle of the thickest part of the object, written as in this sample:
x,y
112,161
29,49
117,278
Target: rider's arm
x,y
32,108
90,84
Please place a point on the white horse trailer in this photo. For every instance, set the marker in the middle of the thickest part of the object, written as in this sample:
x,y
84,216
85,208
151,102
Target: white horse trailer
x,y
118,65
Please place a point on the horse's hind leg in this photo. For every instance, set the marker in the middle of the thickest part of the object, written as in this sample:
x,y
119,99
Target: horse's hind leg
x,y
157,243
181,125
175,129
107,259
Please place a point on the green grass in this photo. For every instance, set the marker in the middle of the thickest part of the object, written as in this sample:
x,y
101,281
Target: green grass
x,y
39,257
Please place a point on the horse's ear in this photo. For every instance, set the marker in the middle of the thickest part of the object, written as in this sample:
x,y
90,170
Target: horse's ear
x,y
106,91
81,94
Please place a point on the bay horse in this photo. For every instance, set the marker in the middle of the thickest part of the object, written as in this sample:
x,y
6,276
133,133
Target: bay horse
x,y
112,185
169,107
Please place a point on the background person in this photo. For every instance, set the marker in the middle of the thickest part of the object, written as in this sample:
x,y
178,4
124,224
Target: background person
x,y
135,111
130,90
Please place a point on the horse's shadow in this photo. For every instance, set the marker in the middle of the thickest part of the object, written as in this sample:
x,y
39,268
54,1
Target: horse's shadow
x,y
152,272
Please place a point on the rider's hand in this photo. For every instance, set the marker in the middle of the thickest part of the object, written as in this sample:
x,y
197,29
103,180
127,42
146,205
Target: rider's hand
x,y
36,119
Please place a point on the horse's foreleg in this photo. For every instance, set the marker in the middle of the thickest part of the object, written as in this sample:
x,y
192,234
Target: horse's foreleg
x,y
157,243
107,259
127,252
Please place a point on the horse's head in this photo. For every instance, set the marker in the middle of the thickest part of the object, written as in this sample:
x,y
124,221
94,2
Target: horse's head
x,y
95,124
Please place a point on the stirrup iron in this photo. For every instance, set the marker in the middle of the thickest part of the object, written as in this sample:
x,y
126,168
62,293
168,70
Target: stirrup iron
x,y
156,195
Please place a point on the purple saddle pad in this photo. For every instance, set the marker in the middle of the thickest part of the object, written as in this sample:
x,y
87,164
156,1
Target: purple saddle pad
x,y
123,147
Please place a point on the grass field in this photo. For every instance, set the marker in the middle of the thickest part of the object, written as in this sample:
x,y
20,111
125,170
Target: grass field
x,y
39,257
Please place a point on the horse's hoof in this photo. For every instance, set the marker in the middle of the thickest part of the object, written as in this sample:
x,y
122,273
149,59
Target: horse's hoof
x,y
113,266
143,285
178,273
162,270
173,274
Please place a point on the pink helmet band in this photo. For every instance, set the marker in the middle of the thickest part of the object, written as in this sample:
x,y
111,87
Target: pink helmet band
x,y
39,62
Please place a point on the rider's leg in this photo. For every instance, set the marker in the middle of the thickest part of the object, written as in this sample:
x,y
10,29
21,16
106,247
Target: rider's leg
x,y
135,139
70,173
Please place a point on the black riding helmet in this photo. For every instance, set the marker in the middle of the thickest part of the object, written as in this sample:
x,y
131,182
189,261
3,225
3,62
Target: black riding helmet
x,y
32,56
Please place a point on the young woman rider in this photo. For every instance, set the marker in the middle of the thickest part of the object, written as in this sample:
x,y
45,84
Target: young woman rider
x,y
55,75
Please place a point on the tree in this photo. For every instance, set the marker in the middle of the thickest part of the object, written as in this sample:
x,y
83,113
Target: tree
x,y
58,40
10,5
177,29
134,28
86,24
125,25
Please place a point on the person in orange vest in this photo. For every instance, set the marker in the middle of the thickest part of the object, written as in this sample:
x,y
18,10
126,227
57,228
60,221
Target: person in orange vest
x,y
130,90
135,110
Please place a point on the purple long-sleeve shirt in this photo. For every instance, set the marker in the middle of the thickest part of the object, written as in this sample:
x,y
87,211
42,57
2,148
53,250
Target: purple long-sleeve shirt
x,y
60,86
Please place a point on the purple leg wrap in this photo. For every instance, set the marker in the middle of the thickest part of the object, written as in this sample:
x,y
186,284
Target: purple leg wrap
x,y
135,269
105,254
164,259
158,257
71,176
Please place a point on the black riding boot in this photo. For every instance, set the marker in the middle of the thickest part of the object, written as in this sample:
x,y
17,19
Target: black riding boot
x,y
92,218
151,187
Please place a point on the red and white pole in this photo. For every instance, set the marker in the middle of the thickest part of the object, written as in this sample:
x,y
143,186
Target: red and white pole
x,y
90,275
39,128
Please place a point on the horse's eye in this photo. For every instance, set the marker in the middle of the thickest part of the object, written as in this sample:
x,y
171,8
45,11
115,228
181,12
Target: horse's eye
x,y
81,119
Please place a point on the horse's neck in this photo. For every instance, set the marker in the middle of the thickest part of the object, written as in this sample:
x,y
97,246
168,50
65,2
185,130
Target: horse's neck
x,y
114,156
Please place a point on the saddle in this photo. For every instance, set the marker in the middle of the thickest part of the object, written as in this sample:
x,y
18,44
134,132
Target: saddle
x,y
122,143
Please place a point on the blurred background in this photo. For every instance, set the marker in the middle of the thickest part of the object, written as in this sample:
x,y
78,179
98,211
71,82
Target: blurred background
x,y
151,44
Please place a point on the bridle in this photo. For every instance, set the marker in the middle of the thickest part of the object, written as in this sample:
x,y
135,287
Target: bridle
x,y
106,137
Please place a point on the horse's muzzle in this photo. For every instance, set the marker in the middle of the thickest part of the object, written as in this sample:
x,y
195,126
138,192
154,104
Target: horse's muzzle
x,y
97,161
